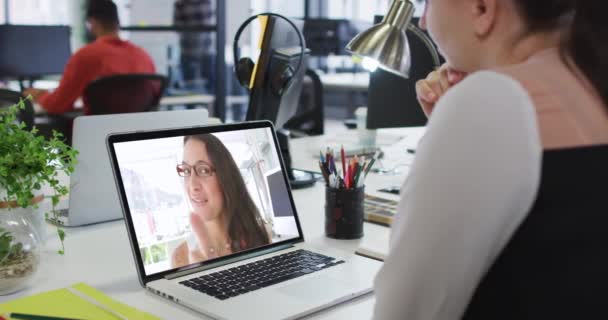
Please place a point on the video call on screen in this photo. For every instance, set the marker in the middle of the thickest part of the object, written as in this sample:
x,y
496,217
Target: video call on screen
x,y
175,196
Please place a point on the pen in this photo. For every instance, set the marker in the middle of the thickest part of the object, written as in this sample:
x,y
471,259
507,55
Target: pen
x,y
333,163
23,316
357,175
343,161
371,163
324,172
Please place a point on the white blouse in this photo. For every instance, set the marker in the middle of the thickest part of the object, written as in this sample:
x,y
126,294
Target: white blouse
x,y
473,181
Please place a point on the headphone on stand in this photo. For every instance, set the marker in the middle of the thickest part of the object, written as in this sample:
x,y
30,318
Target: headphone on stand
x,y
244,66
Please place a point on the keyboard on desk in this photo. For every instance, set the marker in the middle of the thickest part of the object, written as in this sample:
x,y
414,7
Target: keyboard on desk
x,y
263,273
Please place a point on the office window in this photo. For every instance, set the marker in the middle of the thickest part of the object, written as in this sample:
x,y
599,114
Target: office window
x,y
39,12
2,13
289,8
363,10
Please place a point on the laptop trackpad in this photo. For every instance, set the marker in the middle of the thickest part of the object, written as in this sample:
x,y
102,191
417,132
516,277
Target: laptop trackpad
x,y
319,288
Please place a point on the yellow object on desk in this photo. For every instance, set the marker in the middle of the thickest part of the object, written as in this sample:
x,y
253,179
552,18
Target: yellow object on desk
x,y
65,304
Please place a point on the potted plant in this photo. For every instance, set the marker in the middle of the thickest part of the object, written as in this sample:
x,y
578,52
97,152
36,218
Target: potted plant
x,y
28,162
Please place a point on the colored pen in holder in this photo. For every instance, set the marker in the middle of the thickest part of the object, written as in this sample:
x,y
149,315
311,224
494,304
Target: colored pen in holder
x,y
344,212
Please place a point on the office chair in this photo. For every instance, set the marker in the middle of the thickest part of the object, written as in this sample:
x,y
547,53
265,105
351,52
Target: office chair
x,y
124,93
554,266
9,98
309,117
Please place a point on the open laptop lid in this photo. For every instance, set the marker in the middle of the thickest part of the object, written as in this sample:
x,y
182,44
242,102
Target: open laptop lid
x,y
176,186
92,205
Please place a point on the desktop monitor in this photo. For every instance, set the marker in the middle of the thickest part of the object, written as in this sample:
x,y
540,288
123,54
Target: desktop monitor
x,y
280,51
280,48
330,36
392,101
29,52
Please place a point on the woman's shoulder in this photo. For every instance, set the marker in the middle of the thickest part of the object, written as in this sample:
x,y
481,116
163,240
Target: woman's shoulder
x,y
485,96
480,115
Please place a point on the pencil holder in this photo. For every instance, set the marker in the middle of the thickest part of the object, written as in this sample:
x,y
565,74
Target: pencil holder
x,y
344,213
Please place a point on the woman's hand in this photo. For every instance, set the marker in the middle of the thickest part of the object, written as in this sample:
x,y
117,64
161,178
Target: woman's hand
x,y
205,251
429,90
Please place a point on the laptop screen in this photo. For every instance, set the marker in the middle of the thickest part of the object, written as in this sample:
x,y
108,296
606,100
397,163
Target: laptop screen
x,y
198,197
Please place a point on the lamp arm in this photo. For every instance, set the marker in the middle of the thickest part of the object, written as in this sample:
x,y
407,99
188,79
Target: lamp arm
x,y
427,42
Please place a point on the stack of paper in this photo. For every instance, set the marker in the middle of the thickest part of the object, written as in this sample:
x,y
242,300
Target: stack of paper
x,y
375,247
86,303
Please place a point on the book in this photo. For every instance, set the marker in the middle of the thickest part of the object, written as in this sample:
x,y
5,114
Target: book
x,y
62,303
375,247
379,210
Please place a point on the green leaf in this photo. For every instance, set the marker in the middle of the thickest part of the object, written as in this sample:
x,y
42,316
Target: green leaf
x,y
28,161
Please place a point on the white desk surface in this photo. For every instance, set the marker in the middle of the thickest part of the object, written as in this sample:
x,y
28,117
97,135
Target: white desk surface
x,y
100,255
347,81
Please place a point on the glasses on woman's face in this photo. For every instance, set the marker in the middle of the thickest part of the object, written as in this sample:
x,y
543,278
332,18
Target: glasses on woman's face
x,y
201,170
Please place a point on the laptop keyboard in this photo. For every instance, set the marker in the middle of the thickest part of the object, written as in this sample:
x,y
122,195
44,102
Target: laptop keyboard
x,y
263,273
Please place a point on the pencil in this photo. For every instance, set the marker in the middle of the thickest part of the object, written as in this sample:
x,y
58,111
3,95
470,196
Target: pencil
x,y
324,172
369,167
343,161
23,316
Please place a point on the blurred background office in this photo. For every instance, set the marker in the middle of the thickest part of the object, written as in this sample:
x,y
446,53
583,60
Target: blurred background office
x,y
190,42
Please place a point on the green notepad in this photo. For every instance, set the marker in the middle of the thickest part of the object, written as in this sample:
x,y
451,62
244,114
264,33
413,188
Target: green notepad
x,y
63,303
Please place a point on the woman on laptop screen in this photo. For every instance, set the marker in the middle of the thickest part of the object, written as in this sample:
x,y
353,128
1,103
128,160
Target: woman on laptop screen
x,y
223,217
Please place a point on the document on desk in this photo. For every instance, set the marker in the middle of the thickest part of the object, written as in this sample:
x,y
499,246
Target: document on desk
x,y
62,303
375,245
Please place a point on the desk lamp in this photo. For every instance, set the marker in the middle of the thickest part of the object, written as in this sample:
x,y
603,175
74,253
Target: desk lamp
x,y
385,44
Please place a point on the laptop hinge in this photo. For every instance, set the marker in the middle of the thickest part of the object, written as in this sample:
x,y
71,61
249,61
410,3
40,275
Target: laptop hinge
x,y
227,261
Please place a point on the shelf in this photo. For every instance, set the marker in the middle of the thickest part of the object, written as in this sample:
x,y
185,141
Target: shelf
x,y
202,28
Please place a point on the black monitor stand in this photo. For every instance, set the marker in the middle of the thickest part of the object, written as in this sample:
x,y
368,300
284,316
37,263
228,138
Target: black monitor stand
x,y
298,179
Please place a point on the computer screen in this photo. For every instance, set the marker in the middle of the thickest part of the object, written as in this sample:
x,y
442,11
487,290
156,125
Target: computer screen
x,y
280,47
33,51
392,99
182,188
330,36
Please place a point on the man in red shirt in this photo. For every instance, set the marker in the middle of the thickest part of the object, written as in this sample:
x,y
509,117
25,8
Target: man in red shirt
x,y
107,55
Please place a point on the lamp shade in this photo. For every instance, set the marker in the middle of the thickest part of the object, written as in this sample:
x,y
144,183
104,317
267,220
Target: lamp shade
x,y
387,42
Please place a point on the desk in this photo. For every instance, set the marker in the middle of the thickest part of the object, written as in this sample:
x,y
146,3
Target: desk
x,y
345,90
345,81
204,99
100,255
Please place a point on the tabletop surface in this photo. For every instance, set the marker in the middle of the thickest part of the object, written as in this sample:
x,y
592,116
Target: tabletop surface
x,y
100,255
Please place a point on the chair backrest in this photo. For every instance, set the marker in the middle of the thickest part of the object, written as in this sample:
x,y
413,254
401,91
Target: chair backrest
x,y
124,93
9,98
555,264
309,116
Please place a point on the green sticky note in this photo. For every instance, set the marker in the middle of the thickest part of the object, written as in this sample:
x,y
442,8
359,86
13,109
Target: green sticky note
x,y
63,303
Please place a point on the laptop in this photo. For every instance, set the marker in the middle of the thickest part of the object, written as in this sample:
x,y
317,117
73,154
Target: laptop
x,y
159,176
93,196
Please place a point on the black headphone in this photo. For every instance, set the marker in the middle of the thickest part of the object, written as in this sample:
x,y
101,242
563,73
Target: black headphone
x,y
244,66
